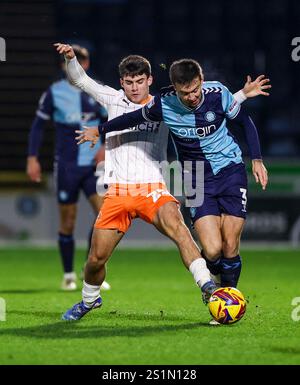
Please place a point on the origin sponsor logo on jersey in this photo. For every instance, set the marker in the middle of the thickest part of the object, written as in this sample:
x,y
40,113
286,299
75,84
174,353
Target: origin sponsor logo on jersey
x,y
201,132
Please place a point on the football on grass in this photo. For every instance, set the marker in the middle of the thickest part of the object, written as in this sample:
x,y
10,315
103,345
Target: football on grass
x,y
227,305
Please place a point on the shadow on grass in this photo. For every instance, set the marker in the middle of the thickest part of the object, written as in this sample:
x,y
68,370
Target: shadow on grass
x,y
76,330
107,316
36,291
26,291
286,350
37,314
106,325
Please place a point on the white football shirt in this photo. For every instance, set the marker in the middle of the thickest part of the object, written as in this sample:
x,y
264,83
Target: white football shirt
x,y
132,156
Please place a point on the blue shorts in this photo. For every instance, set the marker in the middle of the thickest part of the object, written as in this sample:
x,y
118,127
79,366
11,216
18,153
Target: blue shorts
x,y
224,193
70,179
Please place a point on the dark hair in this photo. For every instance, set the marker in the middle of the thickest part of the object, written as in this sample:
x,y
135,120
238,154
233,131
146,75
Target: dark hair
x,y
134,65
184,71
81,52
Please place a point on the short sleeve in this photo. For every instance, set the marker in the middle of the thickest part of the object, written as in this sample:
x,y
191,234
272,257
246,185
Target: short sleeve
x,y
231,106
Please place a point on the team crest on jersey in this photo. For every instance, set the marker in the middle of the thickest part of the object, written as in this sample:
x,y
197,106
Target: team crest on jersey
x,y
210,116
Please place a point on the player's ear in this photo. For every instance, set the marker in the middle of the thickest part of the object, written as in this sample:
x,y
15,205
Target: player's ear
x,y
121,82
150,80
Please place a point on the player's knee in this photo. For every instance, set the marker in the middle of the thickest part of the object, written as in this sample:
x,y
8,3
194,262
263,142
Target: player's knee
x,y
67,225
97,255
214,251
67,228
95,263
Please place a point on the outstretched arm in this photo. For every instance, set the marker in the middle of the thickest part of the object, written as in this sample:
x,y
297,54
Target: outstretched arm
x,y
92,134
253,88
257,86
78,77
150,112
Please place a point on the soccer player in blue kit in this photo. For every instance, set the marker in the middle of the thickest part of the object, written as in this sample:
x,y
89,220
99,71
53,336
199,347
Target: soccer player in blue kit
x,y
196,113
69,108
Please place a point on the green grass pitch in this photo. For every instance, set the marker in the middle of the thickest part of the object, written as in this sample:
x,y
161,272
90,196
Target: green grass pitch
x,y
152,315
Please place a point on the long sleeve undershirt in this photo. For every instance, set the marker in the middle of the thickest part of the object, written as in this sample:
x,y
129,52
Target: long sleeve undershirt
x,y
35,136
137,117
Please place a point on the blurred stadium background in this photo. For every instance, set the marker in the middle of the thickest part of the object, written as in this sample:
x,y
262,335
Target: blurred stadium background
x,y
229,40
153,313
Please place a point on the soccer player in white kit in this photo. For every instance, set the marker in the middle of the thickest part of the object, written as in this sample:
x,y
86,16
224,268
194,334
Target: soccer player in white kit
x,y
136,184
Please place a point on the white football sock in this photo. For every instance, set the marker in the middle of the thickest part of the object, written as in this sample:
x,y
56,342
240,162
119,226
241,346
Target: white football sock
x,y
90,293
200,271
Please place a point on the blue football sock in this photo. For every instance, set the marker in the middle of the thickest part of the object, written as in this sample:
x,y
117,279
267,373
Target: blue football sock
x,y
230,271
66,248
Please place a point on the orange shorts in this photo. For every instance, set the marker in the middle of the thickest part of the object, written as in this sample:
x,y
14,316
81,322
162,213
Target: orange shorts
x,y
122,203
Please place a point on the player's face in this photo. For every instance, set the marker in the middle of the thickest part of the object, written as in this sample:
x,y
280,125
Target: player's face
x,y
136,88
190,94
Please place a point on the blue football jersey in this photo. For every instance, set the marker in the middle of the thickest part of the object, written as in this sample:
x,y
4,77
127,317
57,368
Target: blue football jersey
x,y
70,109
200,133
